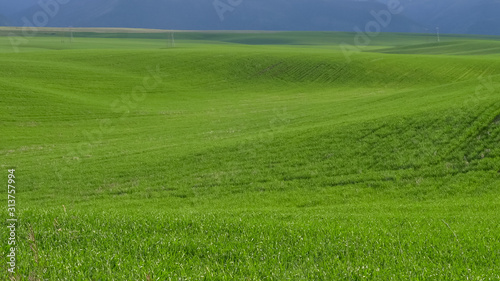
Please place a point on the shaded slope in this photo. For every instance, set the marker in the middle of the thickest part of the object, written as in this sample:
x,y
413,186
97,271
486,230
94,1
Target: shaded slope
x,y
469,47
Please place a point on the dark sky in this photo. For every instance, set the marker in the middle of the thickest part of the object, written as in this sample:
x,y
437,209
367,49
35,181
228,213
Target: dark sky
x,y
452,16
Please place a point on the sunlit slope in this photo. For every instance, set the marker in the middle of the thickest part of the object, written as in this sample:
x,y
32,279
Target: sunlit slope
x,y
223,121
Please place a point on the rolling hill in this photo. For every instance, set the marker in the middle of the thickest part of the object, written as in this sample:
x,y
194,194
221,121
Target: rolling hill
x,y
233,156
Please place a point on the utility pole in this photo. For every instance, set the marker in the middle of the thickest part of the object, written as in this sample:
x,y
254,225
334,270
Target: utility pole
x,y
70,34
173,40
437,32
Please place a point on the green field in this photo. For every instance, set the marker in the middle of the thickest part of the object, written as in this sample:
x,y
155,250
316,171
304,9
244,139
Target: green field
x,y
251,156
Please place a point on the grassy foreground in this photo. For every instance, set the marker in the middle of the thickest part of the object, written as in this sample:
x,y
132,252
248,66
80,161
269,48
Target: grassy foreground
x,y
252,157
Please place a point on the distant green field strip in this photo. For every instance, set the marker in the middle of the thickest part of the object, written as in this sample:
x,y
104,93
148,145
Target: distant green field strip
x,y
447,48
